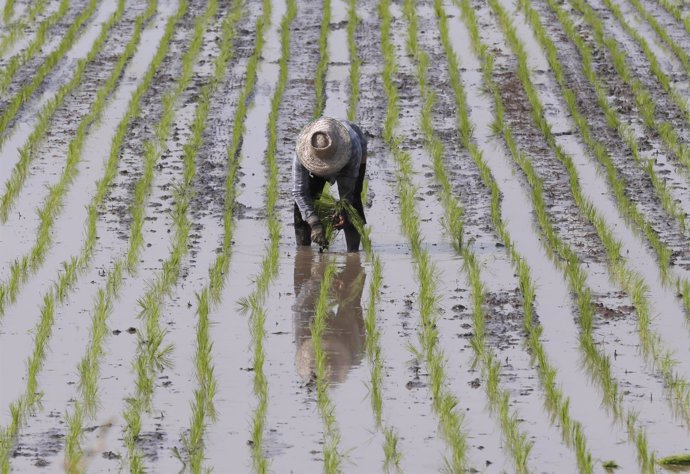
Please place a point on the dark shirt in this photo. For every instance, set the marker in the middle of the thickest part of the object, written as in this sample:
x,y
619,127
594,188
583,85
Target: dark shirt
x,y
346,177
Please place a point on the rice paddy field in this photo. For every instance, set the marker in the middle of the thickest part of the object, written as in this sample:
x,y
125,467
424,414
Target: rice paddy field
x,y
522,297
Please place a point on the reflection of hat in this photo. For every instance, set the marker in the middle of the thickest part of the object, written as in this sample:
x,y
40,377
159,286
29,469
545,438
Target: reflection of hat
x,y
324,146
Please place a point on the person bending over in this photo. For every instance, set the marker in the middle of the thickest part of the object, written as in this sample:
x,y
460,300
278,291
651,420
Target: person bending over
x,y
328,150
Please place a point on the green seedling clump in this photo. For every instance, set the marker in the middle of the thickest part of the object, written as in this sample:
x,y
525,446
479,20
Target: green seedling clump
x,y
677,460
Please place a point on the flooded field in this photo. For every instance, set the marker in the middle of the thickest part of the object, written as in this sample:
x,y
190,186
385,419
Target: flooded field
x,y
522,297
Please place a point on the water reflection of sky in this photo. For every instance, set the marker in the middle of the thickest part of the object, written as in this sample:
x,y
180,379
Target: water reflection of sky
x,y
343,339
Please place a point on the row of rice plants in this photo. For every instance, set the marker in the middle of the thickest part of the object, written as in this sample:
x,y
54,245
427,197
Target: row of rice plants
x,y
22,268
331,434
153,354
678,51
16,29
373,334
89,366
355,61
675,11
71,268
444,402
30,149
555,401
35,46
625,205
643,97
498,398
613,120
332,457
8,11
629,280
27,90
254,303
633,283
597,363
322,67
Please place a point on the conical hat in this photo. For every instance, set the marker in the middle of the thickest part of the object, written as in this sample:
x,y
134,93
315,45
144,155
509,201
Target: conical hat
x,y
324,146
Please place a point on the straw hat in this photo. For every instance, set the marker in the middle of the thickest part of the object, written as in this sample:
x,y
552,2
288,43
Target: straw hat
x,y
324,146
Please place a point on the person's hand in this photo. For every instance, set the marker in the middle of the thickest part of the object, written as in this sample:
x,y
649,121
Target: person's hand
x,y
318,234
339,221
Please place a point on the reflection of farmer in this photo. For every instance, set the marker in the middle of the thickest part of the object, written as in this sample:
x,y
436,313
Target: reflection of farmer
x,y
343,338
334,151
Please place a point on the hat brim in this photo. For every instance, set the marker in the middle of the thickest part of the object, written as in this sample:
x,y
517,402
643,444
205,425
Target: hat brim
x,y
340,136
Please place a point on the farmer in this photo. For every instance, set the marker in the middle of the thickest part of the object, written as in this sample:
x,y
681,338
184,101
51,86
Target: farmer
x,y
334,151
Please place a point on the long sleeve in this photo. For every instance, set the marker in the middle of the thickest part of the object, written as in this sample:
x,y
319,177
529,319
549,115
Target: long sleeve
x,y
300,190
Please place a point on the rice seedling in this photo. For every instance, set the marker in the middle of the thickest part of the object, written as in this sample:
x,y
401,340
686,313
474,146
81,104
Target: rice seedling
x,y
516,440
668,203
153,354
12,66
613,119
444,402
209,296
598,149
677,460
332,456
373,334
44,70
16,29
269,267
355,61
634,282
8,11
254,302
645,104
29,263
555,402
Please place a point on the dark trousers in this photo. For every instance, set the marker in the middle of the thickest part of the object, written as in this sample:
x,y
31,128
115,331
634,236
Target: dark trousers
x,y
352,237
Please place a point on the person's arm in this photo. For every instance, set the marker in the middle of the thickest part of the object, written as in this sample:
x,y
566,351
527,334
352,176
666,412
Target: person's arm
x,y
300,192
